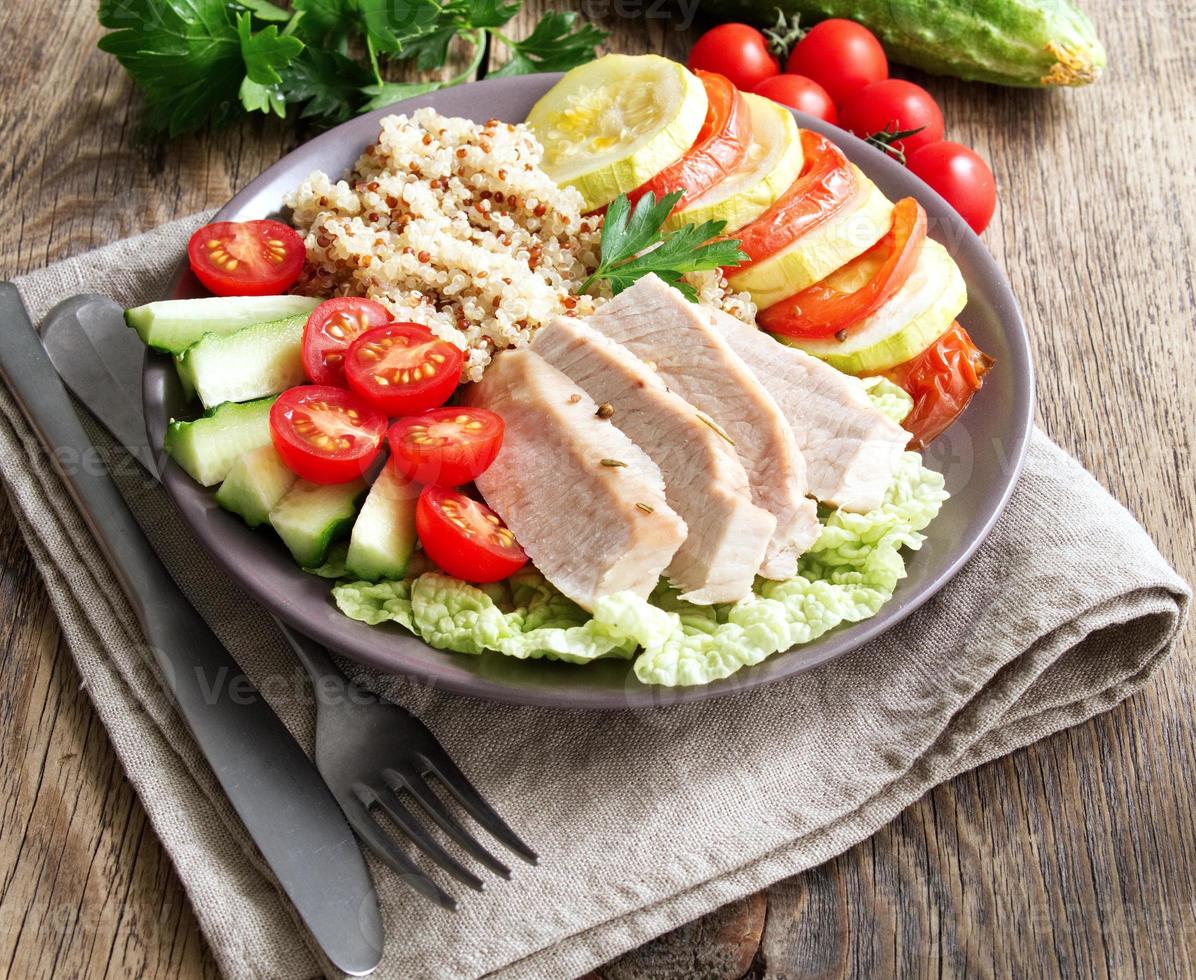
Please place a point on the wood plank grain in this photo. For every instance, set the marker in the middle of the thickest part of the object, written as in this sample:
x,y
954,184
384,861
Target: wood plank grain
x,y
1073,857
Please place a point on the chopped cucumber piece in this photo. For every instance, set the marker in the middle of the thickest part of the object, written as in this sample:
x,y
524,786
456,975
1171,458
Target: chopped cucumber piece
x,y
258,480
260,360
313,515
384,532
173,325
208,447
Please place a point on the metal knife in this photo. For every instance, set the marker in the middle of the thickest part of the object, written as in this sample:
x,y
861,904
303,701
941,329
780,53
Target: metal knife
x,y
285,806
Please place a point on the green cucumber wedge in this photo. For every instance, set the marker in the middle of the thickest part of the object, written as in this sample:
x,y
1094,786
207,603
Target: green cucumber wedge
x,y
1037,43
208,447
263,359
313,515
384,533
173,325
258,480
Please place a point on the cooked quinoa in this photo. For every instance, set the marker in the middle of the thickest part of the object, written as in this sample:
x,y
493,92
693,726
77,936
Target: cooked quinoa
x,y
454,225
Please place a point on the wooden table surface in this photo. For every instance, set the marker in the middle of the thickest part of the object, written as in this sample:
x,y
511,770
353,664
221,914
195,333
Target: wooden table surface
x,y
1074,857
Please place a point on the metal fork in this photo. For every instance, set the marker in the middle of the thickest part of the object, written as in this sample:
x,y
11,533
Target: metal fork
x,y
370,751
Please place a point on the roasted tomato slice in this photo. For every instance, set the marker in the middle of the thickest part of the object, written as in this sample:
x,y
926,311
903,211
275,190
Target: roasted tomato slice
x,y
331,328
823,310
446,446
721,145
465,537
246,258
403,368
325,434
941,380
826,183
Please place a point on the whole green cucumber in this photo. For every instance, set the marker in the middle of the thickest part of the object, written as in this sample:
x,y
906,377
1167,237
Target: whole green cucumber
x,y
1009,42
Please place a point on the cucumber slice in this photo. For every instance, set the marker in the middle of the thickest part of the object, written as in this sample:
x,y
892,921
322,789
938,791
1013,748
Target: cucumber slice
x,y
384,532
610,125
260,360
773,162
208,447
258,480
917,315
313,515
817,254
173,325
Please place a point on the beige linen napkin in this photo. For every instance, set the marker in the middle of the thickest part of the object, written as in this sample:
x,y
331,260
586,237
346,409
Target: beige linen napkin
x,y
644,820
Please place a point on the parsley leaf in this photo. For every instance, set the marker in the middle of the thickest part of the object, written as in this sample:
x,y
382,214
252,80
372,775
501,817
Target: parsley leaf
x,y
328,82
327,21
556,44
265,54
388,92
264,10
633,245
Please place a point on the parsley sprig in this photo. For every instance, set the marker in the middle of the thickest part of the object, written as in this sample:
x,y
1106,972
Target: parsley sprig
x,y
204,63
634,245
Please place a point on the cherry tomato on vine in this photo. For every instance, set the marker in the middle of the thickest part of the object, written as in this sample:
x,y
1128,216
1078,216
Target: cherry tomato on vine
x,y
799,92
446,446
465,537
894,106
841,56
961,177
246,258
736,50
325,434
331,328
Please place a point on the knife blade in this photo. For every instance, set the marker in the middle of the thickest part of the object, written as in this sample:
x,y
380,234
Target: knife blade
x,y
274,788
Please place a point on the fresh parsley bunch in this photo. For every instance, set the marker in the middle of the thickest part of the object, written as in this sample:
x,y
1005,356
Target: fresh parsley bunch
x,y
633,245
206,62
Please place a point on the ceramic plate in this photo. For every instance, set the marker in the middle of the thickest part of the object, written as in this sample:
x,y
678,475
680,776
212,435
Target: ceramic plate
x,y
980,455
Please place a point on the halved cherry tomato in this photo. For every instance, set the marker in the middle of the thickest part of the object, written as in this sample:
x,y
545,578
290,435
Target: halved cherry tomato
x,y
403,368
799,92
941,380
822,310
246,258
330,329
720,148
826,183
446,446
325,434
841,56
465,537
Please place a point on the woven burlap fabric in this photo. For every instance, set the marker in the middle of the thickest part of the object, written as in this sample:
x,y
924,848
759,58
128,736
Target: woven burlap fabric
x,y
644,819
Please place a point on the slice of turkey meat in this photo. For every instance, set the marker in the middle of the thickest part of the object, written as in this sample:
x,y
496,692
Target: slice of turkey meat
x,y
704,480
850,447
587,504
677,339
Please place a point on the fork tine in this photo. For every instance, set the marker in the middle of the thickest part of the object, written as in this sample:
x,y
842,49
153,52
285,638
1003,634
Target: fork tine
x,y
434,807
421,839
378,841
462,789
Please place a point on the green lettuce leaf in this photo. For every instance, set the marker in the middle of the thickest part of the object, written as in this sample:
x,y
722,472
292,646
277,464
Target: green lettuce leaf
x,y
888,397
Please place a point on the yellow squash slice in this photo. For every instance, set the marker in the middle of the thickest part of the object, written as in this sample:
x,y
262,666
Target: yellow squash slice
x,y
610,125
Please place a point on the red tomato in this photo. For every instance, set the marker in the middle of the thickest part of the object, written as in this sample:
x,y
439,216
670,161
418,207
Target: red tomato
x,y
941,380
246,258
446,446
330,329
826,183
841,56
823,311
325,434
736,50
403,368
960,176
803,94
894,106
719,149
465,537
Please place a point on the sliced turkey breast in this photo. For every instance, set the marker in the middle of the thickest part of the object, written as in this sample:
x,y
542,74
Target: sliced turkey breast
x,y
676,338
585,502
850,447
704,481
